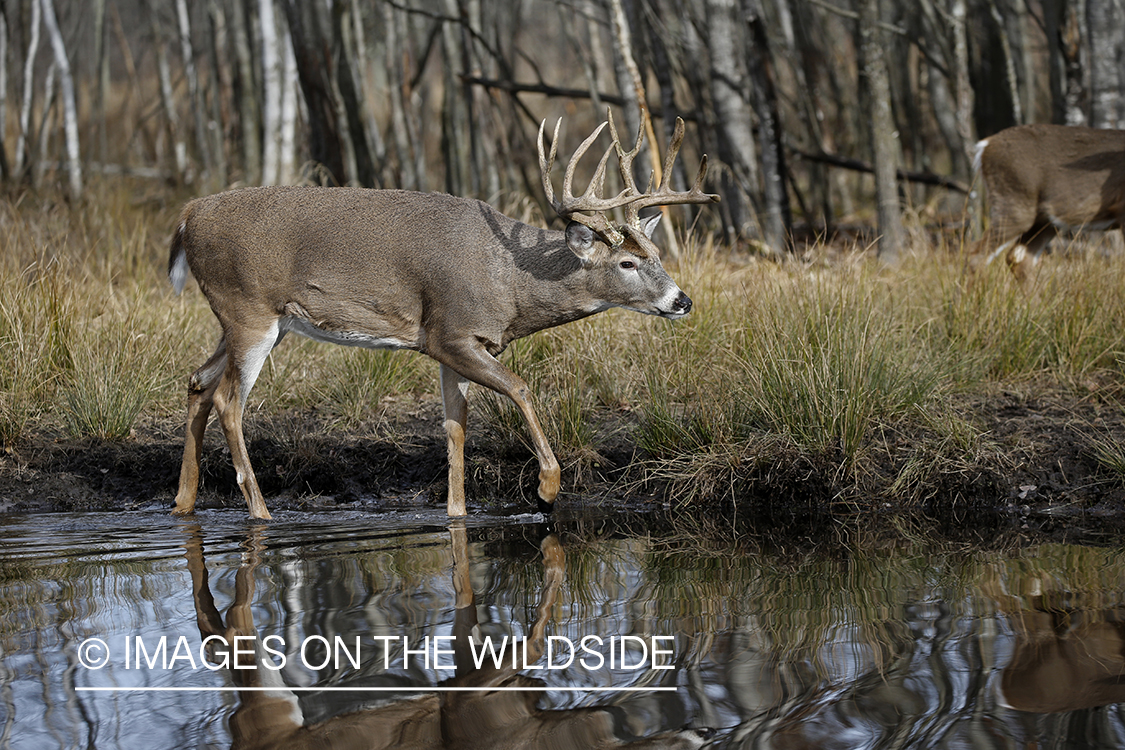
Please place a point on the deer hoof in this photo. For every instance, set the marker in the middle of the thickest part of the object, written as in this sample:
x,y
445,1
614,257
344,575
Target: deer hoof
x,y
549,485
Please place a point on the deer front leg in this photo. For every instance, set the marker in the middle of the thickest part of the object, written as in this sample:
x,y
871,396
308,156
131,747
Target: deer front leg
x,y
472,361
454,388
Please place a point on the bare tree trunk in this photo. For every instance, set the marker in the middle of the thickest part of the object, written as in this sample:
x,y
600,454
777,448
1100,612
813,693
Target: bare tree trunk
x,y
1074,52
307,32
69,104
1064,38
629,82
796,21
892,236
454,146
485,176
101,71
167,97
23,143
400,130
779,218
349,96
220,84
733,120
962,88
1011,43
38,160
1106,23
963,99
271,84
290,108
183,24
246,95
5,172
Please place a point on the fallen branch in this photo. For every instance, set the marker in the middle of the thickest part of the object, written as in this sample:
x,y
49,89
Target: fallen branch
x,y
925,178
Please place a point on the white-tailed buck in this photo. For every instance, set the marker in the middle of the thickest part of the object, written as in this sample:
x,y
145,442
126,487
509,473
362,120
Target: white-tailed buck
x,y
450,277
1044,180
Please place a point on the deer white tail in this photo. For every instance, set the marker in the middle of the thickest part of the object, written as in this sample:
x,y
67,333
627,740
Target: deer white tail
x,y
177,261
978,154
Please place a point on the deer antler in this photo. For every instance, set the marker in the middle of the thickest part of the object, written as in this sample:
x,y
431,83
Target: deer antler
x,y
588,208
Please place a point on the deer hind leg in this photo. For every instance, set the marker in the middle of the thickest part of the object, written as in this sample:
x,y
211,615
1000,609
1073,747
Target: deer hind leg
x,y
476,364
243,367
201,393
454,388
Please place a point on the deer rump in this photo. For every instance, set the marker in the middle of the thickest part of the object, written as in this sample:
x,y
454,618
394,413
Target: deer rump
x,y
1047,180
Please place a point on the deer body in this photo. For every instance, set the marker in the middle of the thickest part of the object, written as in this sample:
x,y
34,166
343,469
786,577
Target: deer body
x,y
1044,180
450,277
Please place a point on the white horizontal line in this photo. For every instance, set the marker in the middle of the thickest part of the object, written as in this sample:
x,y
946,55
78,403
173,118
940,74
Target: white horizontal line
x,y
615,689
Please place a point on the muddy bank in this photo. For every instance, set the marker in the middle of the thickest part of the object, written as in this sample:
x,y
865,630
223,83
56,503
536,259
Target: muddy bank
x,y
1032,463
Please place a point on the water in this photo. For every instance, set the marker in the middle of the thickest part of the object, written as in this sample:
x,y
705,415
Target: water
x,y
367,631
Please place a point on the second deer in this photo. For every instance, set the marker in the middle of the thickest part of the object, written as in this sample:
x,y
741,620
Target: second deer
x,y
1044,180
450,277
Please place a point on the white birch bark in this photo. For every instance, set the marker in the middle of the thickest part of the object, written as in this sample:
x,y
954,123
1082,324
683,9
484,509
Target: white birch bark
x,y
290,101
1105,20
23,148
197,108
37,162
69,105
3,92
271,83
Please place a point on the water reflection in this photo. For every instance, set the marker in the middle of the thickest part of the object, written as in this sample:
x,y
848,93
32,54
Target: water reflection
x,y
910,646
496,716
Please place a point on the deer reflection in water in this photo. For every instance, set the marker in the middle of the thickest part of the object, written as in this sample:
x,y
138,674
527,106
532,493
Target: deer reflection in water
x,y
1069,655
488,719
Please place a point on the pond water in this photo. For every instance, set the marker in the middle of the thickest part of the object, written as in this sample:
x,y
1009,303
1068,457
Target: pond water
x,y
135,630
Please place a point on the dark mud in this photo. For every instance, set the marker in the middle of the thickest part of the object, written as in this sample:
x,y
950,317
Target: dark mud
x,y
1032,467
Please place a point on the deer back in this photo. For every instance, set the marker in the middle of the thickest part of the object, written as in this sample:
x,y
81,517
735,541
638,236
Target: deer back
x,y
395,267
1067,176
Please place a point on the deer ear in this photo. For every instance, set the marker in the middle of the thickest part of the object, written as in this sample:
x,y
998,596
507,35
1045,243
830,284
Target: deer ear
x,y
580,239
648,223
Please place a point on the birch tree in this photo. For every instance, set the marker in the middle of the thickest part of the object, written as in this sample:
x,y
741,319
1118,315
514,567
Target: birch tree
x,y
5,173
69,105
183,25
246,94
1106,23
884,142
733,119
23,147
271,85
778,216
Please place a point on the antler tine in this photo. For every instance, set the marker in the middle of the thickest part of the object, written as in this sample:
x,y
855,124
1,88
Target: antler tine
x,y
673,152
546,163
625,158
578,154
698,186
597,182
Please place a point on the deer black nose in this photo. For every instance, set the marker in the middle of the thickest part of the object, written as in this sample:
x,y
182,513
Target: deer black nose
x,y
682,303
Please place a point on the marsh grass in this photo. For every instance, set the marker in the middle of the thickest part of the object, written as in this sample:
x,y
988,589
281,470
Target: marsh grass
x,y
819,359
357,381
115,374
34,347
826,360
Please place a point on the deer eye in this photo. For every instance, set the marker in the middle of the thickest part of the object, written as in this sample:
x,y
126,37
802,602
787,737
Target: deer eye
x,y
628,265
